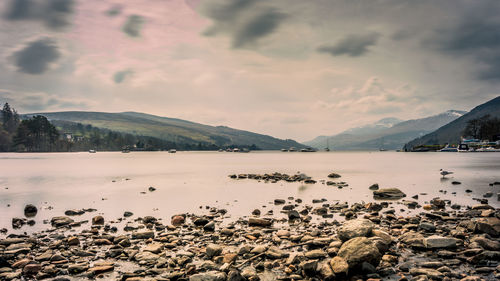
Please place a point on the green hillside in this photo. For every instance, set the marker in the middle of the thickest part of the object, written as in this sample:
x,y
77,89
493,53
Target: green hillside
x,y
170,129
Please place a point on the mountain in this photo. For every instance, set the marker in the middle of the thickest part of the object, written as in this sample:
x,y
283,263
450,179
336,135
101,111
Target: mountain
x,y
451,132
388,133
170,129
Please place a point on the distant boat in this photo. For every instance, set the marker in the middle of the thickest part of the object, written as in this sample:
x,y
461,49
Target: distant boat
x,y
172,151
382,145
284,150
92,151
327,146
221,150
307,150
487,149
236,149
126,150
245,150
292,149
463,147
447,148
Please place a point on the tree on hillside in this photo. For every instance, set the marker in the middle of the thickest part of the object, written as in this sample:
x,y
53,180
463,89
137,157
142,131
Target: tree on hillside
x,y
484,128
10,119
9,123
36,134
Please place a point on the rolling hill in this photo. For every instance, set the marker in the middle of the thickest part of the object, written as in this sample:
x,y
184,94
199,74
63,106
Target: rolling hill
x,y
388,133
451,132
171,129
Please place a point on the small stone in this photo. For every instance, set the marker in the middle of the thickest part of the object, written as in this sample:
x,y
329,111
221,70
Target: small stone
x,y
143,235
259,222
100,269
98,220
73,241
334,175
213,250
32,268
178,220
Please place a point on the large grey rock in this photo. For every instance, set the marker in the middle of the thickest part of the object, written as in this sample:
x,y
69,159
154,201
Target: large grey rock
x,y
355,228
359,250
439,242
489,226
213,250
388,193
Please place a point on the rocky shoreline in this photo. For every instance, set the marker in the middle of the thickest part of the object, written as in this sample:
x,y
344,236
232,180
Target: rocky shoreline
x,y
439,243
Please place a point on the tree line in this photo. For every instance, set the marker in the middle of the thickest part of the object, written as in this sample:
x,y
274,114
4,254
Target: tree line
x,y
483,128
38,134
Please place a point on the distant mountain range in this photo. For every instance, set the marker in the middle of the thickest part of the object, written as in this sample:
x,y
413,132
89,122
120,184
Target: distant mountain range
x,y
451,132
387,133
170,129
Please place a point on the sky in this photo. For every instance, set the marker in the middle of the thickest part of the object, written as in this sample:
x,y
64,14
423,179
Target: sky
x,y
288,68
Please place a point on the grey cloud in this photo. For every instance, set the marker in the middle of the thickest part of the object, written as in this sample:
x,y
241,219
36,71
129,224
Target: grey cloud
x,y
245,21
53,13
259,26
477,38
114,11
133,25
33,102
37,56
121,76
352,45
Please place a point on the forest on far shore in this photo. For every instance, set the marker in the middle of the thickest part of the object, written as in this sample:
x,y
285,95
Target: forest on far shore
x,y
38,134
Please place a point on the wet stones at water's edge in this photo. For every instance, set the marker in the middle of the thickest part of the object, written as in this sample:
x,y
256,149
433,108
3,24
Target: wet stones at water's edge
x,y
439,243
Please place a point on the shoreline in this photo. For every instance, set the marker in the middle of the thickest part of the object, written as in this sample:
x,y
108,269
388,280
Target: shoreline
x,y
439,244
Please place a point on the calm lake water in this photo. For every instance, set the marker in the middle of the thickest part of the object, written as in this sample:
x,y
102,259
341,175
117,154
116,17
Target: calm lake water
x,y
56,182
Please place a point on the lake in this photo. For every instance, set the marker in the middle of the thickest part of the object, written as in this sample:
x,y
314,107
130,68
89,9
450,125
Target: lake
x,y
114,182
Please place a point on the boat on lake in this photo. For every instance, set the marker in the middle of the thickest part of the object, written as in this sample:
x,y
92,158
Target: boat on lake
x,y
92,151
172,151
448,148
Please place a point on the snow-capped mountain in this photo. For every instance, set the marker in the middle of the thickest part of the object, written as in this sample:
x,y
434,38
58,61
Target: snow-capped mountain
x,y
387,133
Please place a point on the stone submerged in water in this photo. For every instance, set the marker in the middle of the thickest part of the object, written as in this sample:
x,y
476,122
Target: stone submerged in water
x,y
30,210
374,186
334,176
61,221
388,193
98,220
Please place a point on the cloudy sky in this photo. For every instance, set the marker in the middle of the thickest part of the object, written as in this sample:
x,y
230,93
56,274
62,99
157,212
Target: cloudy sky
x,y
288,68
